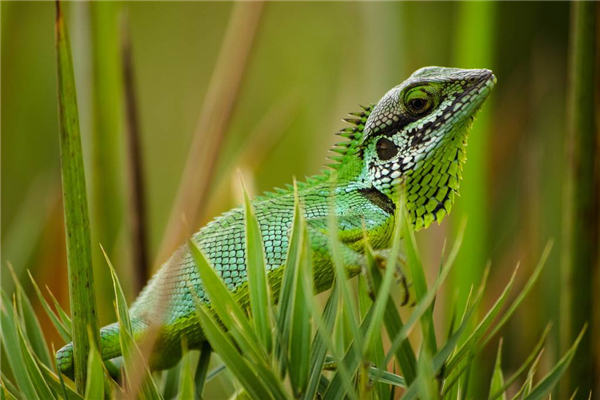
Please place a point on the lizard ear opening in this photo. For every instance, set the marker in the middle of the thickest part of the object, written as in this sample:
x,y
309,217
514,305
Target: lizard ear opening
x,y
386,149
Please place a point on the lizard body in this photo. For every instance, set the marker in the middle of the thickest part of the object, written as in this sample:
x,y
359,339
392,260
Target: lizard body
x,y
413,139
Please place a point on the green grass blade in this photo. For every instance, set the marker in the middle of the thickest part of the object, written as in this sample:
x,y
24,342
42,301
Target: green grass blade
x,y
137,371
442,356
341,275
383,294
234,319
341,383
418,279
9,391
121,302
469,345
226,307
213,373
5,393
63,330
526,289
31,324
240,368
187,388
319,347
551,379
41,387
288,284
300,334
423,305
426,382
382,376
393,323
581,219
106,134
376,351
260,299
170,383
77,224
440,359
530,359
200,377
497,382
64,316
95,383
57,384
10,343
420,309
528,384
386,377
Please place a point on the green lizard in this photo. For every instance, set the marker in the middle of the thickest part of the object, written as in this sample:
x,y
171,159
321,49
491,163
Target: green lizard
x,y
413,139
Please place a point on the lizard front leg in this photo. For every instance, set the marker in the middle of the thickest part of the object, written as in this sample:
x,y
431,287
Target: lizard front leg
x,y
351,245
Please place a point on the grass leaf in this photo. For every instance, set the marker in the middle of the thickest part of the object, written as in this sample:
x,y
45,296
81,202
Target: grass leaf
x,y
319,347
551,379
418,277
95,383
530,359
226,307
41,387
524,292
383,293
301,330
10,344
260,299
200,377
63,330
77,224
497,376
469,345
138,374
393,323
187,388
228,352
31,324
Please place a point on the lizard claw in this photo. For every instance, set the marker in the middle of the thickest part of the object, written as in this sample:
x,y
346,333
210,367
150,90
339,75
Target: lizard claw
x,y
382,257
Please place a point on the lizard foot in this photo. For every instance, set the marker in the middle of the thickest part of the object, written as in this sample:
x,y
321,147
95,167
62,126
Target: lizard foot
x,y
382,258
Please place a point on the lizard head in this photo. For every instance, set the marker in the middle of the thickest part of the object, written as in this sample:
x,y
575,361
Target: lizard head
x,y
415,137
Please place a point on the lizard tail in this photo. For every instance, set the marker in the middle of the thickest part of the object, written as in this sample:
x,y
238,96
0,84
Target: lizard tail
x,y
109,342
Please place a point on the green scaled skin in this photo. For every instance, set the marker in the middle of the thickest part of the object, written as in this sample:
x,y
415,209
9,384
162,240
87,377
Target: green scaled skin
x,y
413,139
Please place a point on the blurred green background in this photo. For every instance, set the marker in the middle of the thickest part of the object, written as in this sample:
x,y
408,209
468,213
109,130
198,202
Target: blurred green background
x,y
310,64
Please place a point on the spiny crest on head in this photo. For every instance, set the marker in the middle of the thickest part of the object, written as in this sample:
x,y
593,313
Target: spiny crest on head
x,y
353,133
347,148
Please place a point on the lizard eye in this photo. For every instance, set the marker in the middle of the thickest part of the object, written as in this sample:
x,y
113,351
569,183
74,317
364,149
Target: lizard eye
x,y
418,101
386,149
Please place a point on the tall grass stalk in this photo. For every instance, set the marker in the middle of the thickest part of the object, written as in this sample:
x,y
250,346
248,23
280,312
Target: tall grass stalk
x,y
213,124
473,49
581,212
106,187
81,277
136,211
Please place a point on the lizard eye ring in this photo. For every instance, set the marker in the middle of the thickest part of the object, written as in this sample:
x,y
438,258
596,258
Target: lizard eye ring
x,y
418,101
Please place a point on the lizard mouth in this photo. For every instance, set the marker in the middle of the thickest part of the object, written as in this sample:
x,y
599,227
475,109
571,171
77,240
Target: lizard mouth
x,y
485,80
